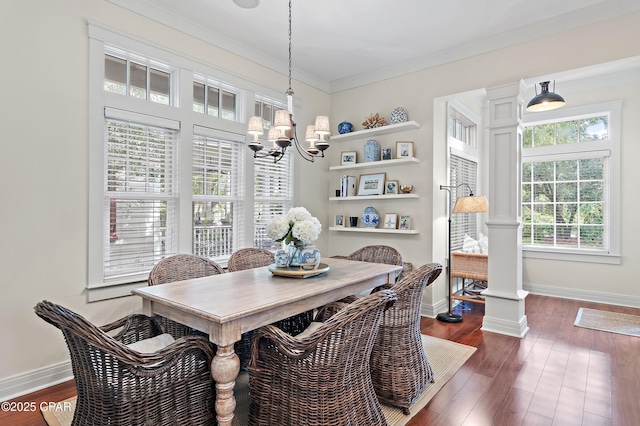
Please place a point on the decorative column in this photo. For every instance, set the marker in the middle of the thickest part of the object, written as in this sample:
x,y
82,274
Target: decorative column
x,y
504,297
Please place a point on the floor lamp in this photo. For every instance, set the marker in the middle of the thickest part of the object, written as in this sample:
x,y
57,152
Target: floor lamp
x,y
469,204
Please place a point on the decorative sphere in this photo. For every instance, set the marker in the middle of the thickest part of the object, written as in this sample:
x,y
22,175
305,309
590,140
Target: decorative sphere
x,y
345,127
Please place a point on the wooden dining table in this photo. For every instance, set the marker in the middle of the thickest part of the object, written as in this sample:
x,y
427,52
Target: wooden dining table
x,y
226,305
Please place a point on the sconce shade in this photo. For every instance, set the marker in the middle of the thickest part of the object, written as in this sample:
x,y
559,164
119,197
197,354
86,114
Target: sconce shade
x,y
311,135
274,134
471,204
255,126
282,120
546,100
322,125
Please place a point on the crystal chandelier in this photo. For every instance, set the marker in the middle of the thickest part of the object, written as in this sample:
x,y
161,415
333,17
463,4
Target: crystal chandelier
x,y
283,131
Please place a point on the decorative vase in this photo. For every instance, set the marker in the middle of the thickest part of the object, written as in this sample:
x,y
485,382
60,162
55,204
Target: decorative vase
x,y
304,254
345,127
371,150
281,259
398,115
370,218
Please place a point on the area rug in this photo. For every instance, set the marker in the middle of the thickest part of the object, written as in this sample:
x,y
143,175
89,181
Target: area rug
x,y
613,322
444,356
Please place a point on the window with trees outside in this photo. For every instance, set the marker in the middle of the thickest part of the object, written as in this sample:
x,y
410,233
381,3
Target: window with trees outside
x,y
568,176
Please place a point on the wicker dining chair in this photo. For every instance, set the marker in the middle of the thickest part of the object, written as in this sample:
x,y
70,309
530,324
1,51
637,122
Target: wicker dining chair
x,y
117,385
249,258
176,268
400,370
322,378
377,254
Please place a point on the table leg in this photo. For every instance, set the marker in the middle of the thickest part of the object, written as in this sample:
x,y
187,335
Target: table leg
x,y
225,367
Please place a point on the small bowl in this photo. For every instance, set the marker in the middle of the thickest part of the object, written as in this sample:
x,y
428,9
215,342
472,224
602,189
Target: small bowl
x,y
406,188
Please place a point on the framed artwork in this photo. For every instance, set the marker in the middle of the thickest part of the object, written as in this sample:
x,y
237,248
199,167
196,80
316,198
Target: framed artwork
x,y
404,149
338,220
386,153
390,220
405,222
371,184
348,157
391,187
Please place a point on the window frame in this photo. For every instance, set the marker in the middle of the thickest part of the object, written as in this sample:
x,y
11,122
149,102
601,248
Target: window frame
x,y
103,40
576,151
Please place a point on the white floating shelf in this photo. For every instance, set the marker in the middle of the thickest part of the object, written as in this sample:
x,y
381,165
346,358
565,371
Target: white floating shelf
x,y
375,230
384,130
373,197
377,164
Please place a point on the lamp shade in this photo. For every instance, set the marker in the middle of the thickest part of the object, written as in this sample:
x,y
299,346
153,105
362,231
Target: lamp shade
x,y
282,120
546,100
274,134
471,204
311,135
322,125
255,126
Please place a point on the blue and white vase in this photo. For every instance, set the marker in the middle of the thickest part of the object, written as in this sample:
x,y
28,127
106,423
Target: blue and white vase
x,y
281,258
370,218
345,127
371,150
304,254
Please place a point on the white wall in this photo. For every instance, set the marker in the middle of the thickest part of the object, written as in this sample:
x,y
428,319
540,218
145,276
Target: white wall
x,y
43,166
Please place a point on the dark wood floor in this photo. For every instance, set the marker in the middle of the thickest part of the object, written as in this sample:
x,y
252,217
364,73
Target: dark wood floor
x,y
557,374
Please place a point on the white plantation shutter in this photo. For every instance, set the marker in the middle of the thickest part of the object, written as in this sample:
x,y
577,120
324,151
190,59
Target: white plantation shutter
x,y
273,193
218,193
140,196
462,171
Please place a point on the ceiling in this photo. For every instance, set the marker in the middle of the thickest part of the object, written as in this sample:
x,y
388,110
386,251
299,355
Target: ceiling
x,y
339,44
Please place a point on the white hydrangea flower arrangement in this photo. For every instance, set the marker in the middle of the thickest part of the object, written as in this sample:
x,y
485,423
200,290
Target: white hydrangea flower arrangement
x,y
297,226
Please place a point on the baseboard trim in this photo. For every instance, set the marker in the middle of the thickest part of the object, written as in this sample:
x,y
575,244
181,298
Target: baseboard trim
x,y
22,384
584,295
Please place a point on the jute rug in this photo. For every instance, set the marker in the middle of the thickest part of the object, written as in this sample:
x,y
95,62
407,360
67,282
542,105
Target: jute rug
x,y
612,322
444,356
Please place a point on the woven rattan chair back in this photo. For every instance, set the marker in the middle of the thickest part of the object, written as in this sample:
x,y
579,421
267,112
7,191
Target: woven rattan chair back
x,y
182,267
399,367
176,268
117,385
249,258
377,254
320,379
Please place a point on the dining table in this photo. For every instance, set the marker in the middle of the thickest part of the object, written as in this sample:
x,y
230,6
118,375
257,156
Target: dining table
x,y
227,305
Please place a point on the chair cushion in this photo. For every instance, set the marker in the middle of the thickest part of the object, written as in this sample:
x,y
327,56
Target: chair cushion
x,y
310,329
153,344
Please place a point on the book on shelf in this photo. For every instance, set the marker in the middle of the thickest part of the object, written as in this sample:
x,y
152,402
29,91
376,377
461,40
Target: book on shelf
x,y
348,186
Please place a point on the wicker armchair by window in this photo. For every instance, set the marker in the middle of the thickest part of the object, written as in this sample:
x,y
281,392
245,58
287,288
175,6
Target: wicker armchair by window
x,y
118,385
399,367
321,377
249,258
176,268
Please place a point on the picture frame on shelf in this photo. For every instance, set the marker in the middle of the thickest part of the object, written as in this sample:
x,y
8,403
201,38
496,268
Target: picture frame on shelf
x,y
391,187
405,222
404,149
371,184
390,221
348,158
387,154
338,220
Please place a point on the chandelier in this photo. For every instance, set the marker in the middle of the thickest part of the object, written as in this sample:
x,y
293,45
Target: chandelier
x,y
283,131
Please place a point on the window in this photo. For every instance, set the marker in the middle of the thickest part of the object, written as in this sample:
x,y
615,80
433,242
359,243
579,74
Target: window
x,y
214,100
140,195
217,182
126,77
569,163
464,157
273,186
